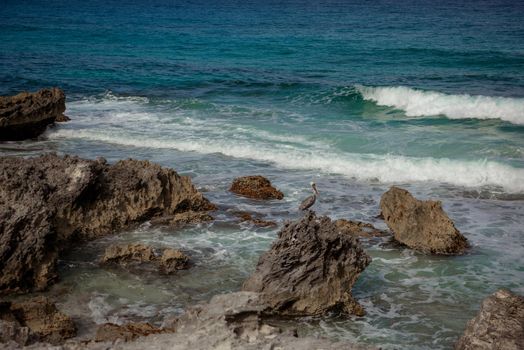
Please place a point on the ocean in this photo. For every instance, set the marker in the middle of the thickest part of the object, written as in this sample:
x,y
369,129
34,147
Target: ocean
x,y
354,95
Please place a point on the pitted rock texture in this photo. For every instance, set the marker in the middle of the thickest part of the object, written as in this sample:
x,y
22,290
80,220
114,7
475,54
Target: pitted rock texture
x,y
256,187
310,269
27,115
33,320
421,225
48,202
499,325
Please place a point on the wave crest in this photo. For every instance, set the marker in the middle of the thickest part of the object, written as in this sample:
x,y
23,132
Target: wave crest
x,y
417,103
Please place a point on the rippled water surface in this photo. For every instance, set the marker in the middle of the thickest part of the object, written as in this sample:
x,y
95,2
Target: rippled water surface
x,y
355,96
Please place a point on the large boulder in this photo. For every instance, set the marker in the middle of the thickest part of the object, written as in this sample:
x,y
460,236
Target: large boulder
x,y
36,319
256,187
27,115
421,225
499,324
310,269
49,201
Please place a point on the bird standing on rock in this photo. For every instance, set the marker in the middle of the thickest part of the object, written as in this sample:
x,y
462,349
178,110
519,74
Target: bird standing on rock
x,y
309,201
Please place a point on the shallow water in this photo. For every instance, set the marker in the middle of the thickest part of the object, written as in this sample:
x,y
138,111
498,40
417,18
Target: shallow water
x,y
356,97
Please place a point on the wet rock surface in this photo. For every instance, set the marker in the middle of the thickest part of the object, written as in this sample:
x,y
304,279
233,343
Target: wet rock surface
x,y
183,219
256,187
310,269
499,325
127,332
49,201
255,220
421,225
168,261
27,115
359,229
36,319
228,321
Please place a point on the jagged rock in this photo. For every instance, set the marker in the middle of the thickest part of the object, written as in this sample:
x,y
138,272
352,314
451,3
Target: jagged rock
x,y
27,115
499,325
359,229
310,269
49,201
124,254
233,321
36,319
247,217
421,225
257,187
127,332
173,260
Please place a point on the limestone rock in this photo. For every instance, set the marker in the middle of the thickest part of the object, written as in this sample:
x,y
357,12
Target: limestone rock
x,y
127,332
499,325
257,221
421,225
168,261
124,254
256,187
359,229
173,260
310,269
48,202
27,115
36,319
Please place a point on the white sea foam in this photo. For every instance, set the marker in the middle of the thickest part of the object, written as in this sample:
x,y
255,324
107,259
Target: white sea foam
x,y
384,168
417,103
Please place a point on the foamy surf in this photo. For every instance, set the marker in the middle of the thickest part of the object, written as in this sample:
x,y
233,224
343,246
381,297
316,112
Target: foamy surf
x,y
417,103
383,168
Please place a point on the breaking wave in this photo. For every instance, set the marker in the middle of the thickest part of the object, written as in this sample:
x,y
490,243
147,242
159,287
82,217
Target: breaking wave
x,y
416,103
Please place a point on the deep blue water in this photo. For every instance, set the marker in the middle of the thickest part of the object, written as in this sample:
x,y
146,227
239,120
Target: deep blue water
x,y
356,95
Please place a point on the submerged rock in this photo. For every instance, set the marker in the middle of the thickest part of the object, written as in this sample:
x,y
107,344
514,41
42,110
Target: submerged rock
x,y
36,319
48,202
421,225
359,229
173,260
168,262
129,331
256,187
310,269
499,324
183,219
257,221
27,115
124,254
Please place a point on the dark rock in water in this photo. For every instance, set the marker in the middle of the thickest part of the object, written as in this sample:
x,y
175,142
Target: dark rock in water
x,y
247,217
359,229
129,331
499,324
36,319
182,219
310,269
173,260
256,187
168,262
123,254
27,115
421,225
48,202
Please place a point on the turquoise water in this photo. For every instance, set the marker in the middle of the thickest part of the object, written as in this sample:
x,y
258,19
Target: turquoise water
x,y
354,95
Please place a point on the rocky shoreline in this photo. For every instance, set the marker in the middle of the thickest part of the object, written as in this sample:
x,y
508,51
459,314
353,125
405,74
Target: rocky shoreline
x,y
51,203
